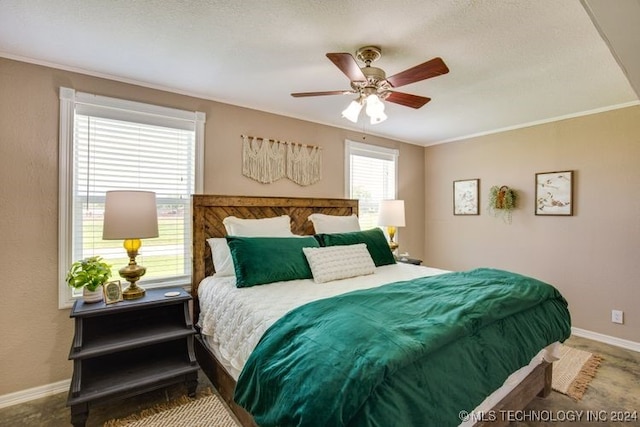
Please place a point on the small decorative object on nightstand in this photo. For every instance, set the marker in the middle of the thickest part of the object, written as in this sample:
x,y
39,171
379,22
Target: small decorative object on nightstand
x,y
407,260
111,360
391,214
112,292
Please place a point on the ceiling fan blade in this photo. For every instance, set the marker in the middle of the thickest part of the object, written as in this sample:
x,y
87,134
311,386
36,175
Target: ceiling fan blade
x,y
406,99
348,65
432,68
330,92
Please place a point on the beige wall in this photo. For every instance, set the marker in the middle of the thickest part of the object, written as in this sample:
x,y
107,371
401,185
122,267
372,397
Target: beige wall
x,y
592,256
36,335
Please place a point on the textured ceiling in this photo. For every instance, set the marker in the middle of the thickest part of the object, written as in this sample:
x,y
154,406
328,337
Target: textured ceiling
x,y
512,62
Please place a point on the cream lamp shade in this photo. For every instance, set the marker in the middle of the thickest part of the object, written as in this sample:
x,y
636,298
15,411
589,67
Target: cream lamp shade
x,y
391,215
130,215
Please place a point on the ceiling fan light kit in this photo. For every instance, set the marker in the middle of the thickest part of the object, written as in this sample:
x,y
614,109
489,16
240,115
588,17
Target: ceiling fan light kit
x,y
374,109
352,112
373,87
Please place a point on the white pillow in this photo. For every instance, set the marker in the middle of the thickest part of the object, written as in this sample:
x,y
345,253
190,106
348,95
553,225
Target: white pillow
x,y
279,226
339,262
334,223
221,255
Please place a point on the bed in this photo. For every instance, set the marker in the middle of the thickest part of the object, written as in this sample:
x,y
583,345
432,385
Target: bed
x,y
208,214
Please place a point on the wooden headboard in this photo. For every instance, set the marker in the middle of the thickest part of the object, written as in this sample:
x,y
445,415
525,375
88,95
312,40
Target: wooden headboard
x,y
209,211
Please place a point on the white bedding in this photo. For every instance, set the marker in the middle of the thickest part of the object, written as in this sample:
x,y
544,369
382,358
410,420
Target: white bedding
x,y
232,319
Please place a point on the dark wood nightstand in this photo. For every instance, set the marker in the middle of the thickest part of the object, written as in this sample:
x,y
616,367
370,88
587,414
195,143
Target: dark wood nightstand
x,y
408,260
130,347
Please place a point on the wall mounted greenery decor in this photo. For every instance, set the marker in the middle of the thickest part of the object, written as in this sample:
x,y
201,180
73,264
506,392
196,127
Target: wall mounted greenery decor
x,y
502,202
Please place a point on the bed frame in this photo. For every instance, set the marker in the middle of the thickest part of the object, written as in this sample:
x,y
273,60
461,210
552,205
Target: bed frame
x,y
208,212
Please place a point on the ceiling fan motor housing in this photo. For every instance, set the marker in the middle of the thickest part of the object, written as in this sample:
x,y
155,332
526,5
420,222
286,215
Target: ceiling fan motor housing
x,y
376,82
376,77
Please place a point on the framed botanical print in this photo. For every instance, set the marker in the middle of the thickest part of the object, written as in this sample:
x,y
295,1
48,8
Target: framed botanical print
x,y
466,197
554,193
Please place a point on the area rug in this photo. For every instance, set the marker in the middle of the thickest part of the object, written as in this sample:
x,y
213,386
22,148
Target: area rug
x,y
205,410
574,371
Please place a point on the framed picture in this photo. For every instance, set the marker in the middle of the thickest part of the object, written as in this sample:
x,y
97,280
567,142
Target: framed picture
x,y
112,292
554,193
466,197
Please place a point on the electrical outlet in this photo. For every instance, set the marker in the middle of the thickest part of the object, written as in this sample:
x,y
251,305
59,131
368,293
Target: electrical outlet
x,y
617,316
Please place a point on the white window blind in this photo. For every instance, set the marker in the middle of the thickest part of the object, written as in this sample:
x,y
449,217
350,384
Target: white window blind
x,y
371,177
116,145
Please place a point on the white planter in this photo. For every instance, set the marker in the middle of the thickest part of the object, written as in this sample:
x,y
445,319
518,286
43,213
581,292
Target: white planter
x,y
92,296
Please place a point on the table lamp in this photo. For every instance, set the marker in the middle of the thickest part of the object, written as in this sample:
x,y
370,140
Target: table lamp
x,y
391,215
130,215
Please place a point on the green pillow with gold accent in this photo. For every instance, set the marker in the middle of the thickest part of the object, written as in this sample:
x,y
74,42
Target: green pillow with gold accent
x,y
377,244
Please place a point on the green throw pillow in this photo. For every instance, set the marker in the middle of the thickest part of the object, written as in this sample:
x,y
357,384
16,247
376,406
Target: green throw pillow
x,y
262,260
377,244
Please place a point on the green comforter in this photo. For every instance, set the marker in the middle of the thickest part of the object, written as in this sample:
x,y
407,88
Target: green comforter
x,y
412,353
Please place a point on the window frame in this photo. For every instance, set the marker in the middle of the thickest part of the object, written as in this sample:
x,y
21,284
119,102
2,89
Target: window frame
x,y
373,151
69,100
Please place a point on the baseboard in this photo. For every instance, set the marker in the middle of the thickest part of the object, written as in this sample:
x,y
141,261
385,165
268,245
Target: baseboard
x,y
607,339
34,393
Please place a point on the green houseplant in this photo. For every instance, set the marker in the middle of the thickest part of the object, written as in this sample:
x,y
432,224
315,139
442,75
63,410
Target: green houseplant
x,y
89,274
502,201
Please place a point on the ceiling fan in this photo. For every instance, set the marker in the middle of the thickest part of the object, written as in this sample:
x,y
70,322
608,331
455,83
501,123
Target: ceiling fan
x,y
372,86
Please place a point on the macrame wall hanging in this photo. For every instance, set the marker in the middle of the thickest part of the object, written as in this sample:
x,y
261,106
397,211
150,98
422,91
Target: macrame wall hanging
x,y
267,161
304,164
262,161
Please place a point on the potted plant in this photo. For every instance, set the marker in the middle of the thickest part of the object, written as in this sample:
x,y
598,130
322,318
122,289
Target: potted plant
x,y
89,274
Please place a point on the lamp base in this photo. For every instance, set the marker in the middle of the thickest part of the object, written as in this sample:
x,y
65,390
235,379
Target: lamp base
x,y
132,273
392,233
133,292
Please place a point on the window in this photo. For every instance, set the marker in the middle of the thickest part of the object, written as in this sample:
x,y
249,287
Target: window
x,y
371,173
111,144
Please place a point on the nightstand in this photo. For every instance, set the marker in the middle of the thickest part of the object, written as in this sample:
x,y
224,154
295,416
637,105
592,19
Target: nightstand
x,y
130,347
408,260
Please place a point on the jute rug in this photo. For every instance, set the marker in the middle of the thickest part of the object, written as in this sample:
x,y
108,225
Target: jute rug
x,y
207,410
574,371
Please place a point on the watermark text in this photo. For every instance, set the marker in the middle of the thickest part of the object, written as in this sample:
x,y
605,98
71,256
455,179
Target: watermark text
x,y
582,416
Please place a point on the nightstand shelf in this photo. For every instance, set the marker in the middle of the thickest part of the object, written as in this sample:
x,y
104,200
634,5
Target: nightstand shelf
x,y
133,368
97,349
128,348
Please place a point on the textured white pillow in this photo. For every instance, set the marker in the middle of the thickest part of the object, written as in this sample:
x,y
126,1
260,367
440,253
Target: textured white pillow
x,y
339,262
221,255
279,226
334,223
